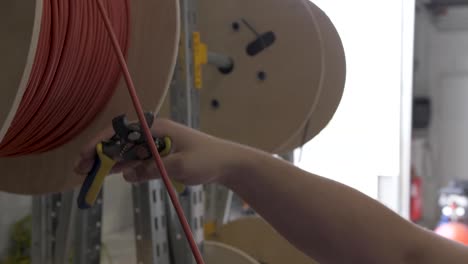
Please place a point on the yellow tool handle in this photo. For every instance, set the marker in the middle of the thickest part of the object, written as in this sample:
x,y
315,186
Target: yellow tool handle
x,y
180,188
102,167
93,183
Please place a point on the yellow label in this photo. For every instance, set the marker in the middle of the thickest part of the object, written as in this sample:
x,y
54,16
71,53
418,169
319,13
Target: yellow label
x,y
200,58
209,228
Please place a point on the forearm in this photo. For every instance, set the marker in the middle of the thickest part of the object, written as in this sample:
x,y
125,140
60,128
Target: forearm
x,y
327,220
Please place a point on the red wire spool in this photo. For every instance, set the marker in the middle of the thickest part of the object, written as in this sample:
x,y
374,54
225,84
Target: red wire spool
x,y
79,56
61,81
73,77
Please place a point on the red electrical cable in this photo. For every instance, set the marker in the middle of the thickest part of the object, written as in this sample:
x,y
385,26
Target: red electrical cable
x,y
149,137
62,98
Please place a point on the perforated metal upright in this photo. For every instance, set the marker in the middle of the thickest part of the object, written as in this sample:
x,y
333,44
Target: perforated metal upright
x,y
53,231
44,220
185,110
88,228
150,221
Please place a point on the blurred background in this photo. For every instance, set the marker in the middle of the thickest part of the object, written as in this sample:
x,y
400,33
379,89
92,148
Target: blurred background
x,y
399,134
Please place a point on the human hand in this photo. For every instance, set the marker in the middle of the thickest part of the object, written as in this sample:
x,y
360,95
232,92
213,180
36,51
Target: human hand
x,y
196,158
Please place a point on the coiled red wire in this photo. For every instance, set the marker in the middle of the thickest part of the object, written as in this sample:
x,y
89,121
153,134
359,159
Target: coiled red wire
x,y
73,76
78,62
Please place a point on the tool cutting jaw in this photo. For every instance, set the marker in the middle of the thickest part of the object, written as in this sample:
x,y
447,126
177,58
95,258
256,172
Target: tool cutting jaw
x,y
129,142
131,132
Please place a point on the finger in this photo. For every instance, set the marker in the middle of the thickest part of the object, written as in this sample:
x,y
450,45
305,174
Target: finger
x,y
88,153
83,166
139,173
121,166
129,175
148,170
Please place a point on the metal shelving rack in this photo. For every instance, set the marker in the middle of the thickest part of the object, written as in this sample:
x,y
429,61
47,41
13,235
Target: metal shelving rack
x,y
150,222
87,242
45,216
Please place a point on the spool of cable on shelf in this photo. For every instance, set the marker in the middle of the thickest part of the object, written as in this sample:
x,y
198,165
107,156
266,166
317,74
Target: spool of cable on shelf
x,y
73,76
61,82
332,86
275,81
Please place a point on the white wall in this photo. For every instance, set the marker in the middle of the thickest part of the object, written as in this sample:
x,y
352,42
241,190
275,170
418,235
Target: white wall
x,y
362,142
443,75
118,205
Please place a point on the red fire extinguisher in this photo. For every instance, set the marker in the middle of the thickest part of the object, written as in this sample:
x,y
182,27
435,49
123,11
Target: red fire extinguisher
x,y
416,197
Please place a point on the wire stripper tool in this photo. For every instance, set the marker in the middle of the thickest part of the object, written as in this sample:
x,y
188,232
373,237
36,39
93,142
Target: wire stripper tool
x,y
127,144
